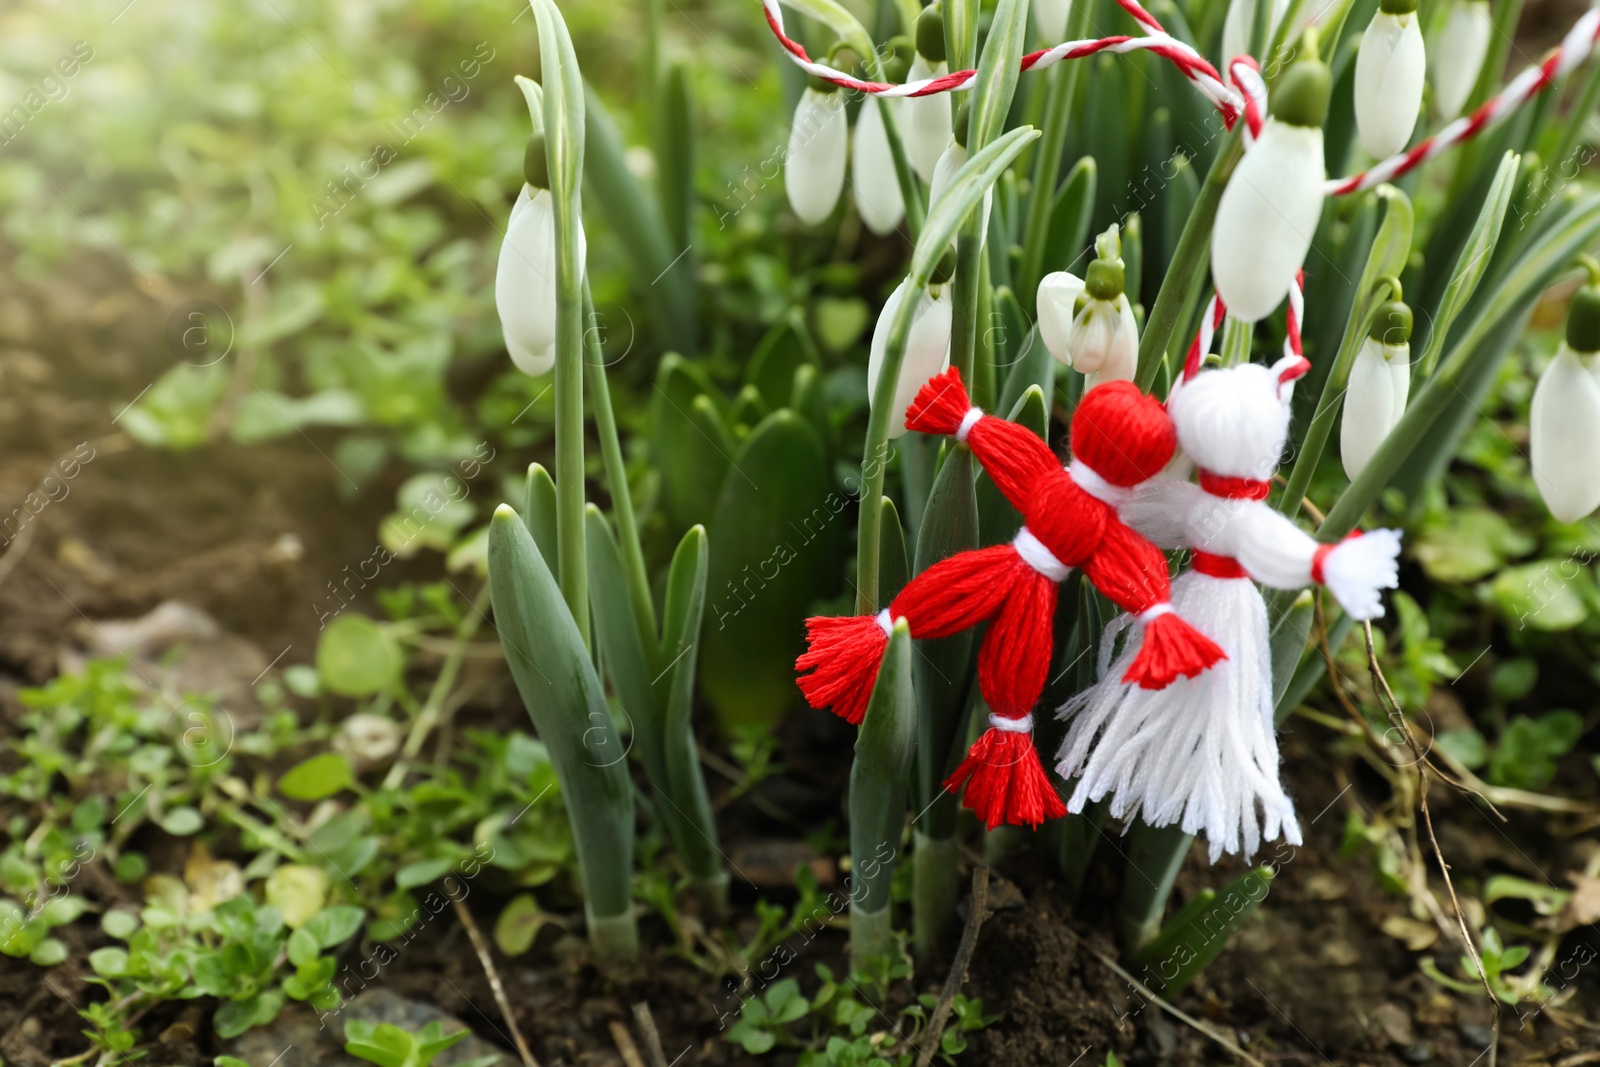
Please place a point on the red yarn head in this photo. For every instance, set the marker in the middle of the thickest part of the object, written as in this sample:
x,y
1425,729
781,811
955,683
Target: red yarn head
x,y
1123,435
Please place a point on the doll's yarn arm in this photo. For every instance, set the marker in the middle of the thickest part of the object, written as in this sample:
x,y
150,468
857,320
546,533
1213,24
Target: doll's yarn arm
x,y
1132,572
1277,553
1014,457
1158,510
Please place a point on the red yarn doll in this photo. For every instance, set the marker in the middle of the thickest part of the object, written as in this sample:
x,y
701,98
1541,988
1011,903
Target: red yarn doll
x,y
1120,437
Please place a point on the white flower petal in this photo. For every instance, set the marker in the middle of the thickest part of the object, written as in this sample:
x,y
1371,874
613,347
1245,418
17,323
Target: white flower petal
x,y
872,175
952,160
819,141
927,350
1266,218
1051,18
1121,360
525,282
1458,54
1564,436
927,121
1237,24
1374,400
1058,295
1390,69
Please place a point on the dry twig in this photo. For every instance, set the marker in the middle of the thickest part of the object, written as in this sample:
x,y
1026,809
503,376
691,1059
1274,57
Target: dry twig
x,y
481,947
958,969
652,1036
624,1042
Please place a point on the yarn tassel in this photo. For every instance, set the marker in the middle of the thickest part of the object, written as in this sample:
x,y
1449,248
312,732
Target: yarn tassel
x,y
843,654
940,405
1005,781
1171,649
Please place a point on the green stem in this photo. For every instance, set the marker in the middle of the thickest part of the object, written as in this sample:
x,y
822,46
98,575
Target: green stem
x,y
433,706
1047,163
1190,260
1572,131
605,422
875,454
910,188
1155,855
964,296
570,552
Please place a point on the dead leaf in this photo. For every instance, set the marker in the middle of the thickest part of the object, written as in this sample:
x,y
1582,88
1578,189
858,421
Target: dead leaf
x,y
1415,935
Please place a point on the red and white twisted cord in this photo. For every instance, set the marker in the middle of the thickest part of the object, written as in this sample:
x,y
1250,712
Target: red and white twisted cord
x,y
1577,46
1216,311
1190,62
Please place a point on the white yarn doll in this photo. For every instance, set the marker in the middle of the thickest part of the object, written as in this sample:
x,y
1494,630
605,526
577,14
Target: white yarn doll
x,y
1202,752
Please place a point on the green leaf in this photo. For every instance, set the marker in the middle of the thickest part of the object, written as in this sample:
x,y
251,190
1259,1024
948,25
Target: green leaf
x,y
692,823
895,568
1471,263
111,962
356,657
1465,745
539,509
336,925
316,778
1464,544
1071,215
955,202
298,891
423,872
236,1016
667,278
775,539
1539,596
519,924
382,1043
674,152
1291,635
782,350
627,664
182,821
998,70
48,953
303,947
692,448
119,923
884,747
1200,931
556,679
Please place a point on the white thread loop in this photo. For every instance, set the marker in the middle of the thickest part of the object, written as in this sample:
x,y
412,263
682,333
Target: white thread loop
x,y
885,623
1040,558
1023,725
1090,482
968,421
1151,614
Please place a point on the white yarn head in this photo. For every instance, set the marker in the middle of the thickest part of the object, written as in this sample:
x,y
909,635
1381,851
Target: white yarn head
x,y
1232,422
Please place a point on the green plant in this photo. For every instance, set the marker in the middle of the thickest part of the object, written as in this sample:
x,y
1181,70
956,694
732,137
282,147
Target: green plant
x,y
389,1046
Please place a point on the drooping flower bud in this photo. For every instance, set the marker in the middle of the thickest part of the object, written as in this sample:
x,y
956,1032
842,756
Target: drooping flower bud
x,y
525,276
1390,69
927,125
927,345
1239,21
1103,340
819,141
951,161
1564,421
1458,54
1380,380
1059,296
873,178
1269,211
1050,16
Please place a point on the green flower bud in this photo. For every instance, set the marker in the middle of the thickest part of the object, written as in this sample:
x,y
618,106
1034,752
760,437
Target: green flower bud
x,y
1105,279
1583,321
1392,326
535,165
1302,96
930,34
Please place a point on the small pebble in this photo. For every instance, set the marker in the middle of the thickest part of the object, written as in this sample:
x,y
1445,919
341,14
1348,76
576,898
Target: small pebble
x,y
1476,1035
1421,1052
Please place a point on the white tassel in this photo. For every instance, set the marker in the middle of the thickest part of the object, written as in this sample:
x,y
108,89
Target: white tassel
x,y
1200,753
1355,570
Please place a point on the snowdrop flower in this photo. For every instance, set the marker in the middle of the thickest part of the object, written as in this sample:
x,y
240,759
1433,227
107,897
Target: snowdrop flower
x,y
1390,70
927,118
872,172
927,345
1270,208
1458,54
525,278
819,140
951,161
1089,324
1050,16
1059,299
1236,26
1380,379
1564,423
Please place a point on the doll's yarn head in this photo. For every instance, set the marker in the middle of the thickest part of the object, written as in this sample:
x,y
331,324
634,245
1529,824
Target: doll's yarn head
x,y
1233,422
1121,434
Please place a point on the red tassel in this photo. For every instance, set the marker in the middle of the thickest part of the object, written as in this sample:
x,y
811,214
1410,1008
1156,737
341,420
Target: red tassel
x,y
1005,781
940,405
1171,649
846,652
